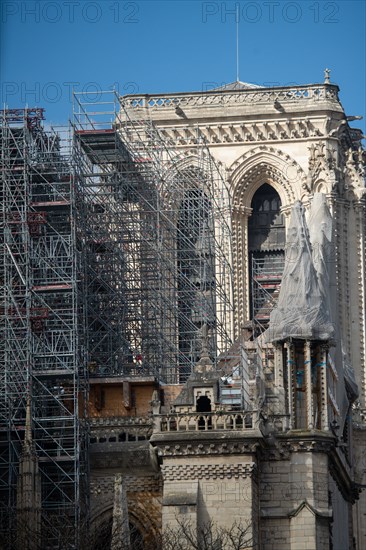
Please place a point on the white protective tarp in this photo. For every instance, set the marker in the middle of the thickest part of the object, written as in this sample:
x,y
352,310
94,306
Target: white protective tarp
x,y
303,305
307,300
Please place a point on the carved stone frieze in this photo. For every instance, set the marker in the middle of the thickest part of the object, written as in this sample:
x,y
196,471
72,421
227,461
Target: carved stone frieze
x,y
216,447
252,132
208,471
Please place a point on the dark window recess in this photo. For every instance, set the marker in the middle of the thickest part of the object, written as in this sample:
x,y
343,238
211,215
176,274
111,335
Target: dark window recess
x,y
162,397
266,243
203,404
133,397
266,226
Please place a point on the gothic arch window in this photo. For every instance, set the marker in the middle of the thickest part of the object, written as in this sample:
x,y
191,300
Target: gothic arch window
x,y
195,274
266,245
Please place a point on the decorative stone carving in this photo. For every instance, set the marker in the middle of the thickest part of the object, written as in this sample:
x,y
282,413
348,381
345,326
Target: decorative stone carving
x,y
261,164
298,94
354,170
322,174
208,471
238,132
211,447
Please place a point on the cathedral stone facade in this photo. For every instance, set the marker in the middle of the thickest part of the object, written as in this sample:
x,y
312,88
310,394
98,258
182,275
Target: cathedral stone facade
x,y
286,458
199,372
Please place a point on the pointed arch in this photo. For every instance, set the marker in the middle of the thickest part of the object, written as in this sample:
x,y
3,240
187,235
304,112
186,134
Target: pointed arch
x,y
191,162
196,205
266,164
248,173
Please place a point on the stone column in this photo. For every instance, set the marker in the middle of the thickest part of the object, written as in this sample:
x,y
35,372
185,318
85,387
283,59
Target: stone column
x,y
341,218
360,332
324,421
120,526
278,365
291,381
241,266
308,386
279,378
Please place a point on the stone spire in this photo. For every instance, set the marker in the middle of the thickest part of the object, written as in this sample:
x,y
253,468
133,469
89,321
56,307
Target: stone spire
x,y
28,442
120,527
28,492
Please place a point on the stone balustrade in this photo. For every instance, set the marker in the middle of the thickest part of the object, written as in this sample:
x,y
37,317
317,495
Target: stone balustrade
x,y
178,422
119,429
113,420
124,428
311,93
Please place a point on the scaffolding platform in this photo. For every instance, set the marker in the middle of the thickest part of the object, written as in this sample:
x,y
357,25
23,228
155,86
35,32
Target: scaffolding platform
x,y
102,146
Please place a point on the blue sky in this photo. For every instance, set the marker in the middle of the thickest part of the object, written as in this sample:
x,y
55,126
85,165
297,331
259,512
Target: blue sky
x,y
48,47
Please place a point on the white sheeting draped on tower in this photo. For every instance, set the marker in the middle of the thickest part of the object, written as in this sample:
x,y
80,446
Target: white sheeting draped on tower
x,y
303,305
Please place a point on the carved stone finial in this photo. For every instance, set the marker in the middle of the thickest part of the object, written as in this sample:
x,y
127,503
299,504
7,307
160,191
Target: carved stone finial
x,y
205,362
204,332
327,76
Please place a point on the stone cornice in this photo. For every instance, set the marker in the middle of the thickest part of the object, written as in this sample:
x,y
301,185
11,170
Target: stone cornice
x,y
296,441
203,443
274,514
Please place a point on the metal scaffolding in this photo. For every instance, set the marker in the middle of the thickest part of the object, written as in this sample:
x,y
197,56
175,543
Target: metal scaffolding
x,y
266,276
115,261
42,359
157,242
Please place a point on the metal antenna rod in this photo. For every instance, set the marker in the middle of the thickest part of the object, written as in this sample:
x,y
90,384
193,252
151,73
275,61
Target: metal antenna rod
x,y
237,42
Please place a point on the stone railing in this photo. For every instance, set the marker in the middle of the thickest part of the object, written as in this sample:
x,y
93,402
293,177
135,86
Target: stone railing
x,y
311,93
113,420
184,422
120,429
